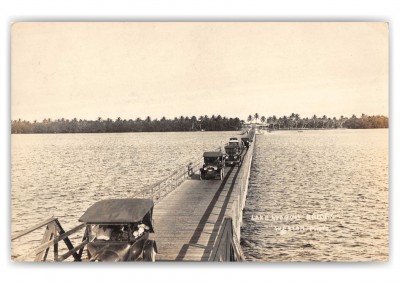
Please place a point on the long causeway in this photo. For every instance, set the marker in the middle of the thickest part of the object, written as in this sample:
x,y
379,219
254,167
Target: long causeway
x,y
189,221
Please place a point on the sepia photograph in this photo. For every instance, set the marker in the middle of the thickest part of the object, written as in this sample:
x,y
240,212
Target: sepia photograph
x,y
199,142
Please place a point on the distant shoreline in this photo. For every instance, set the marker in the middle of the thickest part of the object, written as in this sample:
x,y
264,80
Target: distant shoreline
x,y
271,131
311,129
193,124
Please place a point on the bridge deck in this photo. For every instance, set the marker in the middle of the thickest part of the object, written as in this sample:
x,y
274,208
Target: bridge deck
x,y
187,221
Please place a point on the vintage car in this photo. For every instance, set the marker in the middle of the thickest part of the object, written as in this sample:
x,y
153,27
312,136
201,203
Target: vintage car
x,y
214,164
234,156
119,230
235,142
246,142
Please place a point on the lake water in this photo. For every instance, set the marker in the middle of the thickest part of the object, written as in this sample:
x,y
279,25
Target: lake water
x,y
61,175
340,173
318,196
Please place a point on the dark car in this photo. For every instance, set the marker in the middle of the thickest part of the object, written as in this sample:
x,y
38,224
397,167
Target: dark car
x,y
214,164
119,230
233,155
235,142
246,141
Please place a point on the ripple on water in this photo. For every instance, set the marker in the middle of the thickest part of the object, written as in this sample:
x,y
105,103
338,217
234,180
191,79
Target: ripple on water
x,y
340,172
62,175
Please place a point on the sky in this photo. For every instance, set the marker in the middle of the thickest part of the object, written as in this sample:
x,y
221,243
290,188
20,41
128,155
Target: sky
x,y
130,70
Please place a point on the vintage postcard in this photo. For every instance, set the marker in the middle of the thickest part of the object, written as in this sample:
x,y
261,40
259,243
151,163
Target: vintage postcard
x,y
199,141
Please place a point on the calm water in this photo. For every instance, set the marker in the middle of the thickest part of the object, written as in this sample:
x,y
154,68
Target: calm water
x,y
342,174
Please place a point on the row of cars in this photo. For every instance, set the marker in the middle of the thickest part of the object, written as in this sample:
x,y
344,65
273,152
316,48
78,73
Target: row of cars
x,y
121,229
214,162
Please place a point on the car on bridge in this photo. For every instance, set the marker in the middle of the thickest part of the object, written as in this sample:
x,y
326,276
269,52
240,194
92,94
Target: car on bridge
x,y
235,142
234,156
246,142
120,230
214,164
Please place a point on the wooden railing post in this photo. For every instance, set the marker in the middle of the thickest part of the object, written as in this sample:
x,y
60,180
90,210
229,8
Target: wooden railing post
x,y
66,240
47,236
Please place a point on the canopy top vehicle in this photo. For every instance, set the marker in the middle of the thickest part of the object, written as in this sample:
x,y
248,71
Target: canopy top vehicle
x,y
119,211
211,157
214,163
234,142
119,229
246,141
231,149
233,155
213,154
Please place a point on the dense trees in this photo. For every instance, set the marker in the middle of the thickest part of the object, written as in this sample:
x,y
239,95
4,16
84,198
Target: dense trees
x,y
214,123
294,121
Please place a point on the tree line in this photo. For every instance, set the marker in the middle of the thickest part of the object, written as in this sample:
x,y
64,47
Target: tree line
x,y
204,122
294,121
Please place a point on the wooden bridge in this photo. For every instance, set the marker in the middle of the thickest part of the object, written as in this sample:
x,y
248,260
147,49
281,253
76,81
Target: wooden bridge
x,y
200,220
194,220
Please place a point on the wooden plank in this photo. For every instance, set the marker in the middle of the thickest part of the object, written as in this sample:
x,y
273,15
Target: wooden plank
x,y
238,248
45,245
72,251
48,235
217,246
66,240
56,252
187,226
33,228
53,234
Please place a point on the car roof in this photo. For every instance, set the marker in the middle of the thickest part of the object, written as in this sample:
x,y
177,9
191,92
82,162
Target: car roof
x,y
120,211
212,154
233,138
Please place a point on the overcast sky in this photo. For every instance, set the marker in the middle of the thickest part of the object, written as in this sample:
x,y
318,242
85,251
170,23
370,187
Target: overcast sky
x,y
130,70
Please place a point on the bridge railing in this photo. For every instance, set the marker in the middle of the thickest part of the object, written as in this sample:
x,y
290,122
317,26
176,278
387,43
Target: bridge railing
x,y
162,188
53,235
242,185
227,246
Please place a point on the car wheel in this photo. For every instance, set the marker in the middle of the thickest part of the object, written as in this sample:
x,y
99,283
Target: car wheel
x,y
152,255
149,253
